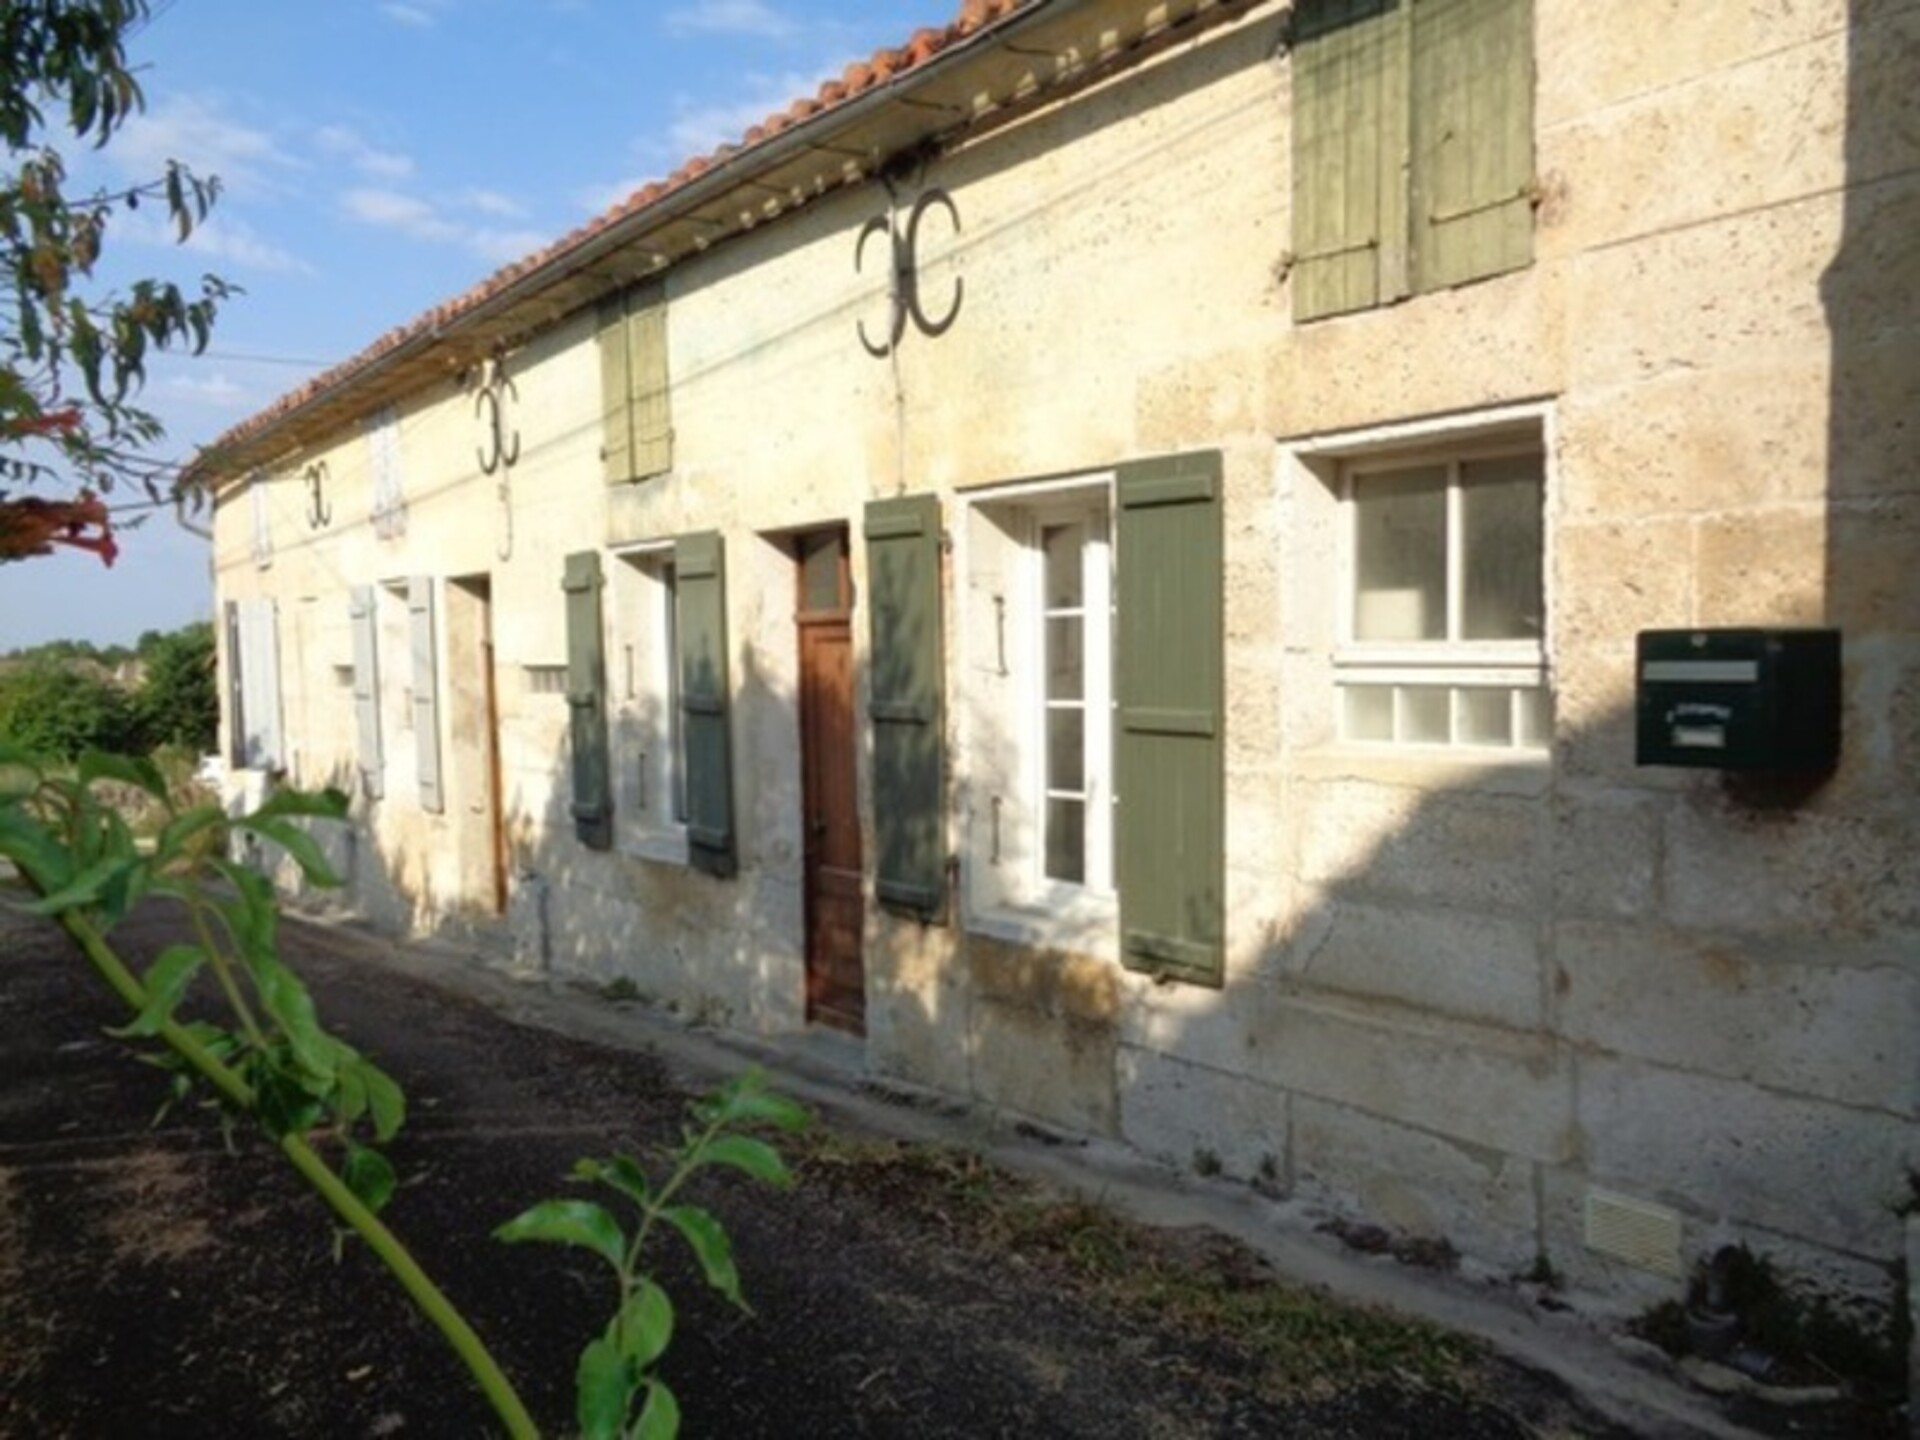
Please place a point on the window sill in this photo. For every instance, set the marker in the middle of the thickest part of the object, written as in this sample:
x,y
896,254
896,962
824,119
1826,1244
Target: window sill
x,y
1434,767
1090,928
667,848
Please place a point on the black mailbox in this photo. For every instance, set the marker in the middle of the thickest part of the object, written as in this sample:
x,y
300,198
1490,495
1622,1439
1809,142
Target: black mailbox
x,y
1738,699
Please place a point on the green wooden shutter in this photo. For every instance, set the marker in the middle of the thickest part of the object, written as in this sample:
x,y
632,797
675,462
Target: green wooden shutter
x,y
1170,750
236,690
647,379
587,702
616,411
1349,148
903,585
366,690
1472,178
426,692
699,565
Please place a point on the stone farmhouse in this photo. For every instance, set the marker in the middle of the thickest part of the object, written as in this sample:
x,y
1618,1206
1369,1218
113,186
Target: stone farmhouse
x,y
1104,556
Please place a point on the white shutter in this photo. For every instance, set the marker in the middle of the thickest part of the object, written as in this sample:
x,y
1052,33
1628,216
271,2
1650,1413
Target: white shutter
x,y
366,690
426,705
260,746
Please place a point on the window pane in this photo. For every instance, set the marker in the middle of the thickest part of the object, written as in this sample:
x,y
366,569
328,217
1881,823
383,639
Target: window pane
x,y
1060,545
1486,715
1423,714
1067,841
1066,666
1369,712
1536,718
820,573
1500,507
1066,749
1400,555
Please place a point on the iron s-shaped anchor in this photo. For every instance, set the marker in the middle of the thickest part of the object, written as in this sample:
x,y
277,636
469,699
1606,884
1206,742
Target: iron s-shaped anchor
x,y
499,448
319,507
904,289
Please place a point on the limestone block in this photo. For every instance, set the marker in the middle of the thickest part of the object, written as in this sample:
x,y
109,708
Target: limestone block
x,y
1488,343
1598,56
1825,1172
1460,847
1820,1019
1415,1183
1690,441
1047,983
1718,143
1056,1070
1458,962
1492,1087
1610,581
1743,290
1873,446
1789,872
1606,853
1195,1118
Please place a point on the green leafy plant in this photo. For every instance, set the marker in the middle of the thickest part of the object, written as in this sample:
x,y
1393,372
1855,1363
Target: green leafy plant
x,y
272,1061
619,1392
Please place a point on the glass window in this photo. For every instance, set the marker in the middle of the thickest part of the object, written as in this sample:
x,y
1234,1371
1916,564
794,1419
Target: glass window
x,y
1445,623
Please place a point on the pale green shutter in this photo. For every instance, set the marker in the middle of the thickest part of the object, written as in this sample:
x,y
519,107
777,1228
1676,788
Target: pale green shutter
x,y
616,411
426,692
635,400
699,566
1472,176
903,594
236,690
1170,744
648,381
366,690
587,702
1349,145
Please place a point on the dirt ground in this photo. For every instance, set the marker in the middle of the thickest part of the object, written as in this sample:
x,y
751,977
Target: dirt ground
x,y
154,1282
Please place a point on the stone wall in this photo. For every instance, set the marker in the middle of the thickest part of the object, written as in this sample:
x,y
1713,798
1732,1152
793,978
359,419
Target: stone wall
x,y
1516,1001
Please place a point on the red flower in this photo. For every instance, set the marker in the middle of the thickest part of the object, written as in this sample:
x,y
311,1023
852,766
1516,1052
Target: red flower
x,y
32,526
50,422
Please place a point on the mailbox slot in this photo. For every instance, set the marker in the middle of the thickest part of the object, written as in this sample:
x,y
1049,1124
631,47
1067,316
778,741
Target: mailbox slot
x,y
1738,699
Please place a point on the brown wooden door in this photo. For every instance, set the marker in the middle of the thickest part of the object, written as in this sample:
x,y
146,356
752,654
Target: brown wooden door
x,y
836,979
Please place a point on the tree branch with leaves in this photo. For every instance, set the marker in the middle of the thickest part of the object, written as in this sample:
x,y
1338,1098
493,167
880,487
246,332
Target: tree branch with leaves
x,y
73,352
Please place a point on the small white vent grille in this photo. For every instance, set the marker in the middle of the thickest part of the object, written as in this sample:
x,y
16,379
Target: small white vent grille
x,y
1640,1234
546,679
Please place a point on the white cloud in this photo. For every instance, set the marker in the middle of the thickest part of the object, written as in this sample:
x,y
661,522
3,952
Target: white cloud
x,y
220,237
700,128
416,17
493,202
392,210
598,199
217,389
195,132
346,143
436,224
732,17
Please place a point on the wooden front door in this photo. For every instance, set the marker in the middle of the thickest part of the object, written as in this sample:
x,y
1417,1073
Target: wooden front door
x,y
836,978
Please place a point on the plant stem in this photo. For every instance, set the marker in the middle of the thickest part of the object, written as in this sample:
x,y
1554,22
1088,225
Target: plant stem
x,y
222,966
383,1242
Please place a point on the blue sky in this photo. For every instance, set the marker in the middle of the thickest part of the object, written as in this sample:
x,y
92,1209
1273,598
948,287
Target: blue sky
x,y
379,156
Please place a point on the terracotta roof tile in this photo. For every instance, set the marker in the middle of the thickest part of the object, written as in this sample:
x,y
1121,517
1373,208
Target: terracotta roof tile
x,y
861,75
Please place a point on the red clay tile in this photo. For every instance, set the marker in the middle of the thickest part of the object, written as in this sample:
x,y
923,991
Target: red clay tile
x,y
861,75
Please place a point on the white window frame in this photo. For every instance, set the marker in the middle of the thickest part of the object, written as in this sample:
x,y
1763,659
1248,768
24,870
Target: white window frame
x,y
1454,666
646,746
262,516
389,507
1008,893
